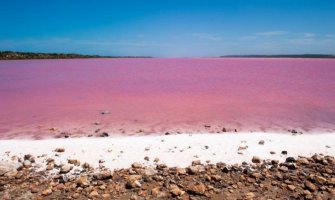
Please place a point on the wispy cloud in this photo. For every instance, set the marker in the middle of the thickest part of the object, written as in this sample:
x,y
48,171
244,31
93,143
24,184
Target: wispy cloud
x,y
302,41
249,37
207,36
272,33
309,35
330,35
260,35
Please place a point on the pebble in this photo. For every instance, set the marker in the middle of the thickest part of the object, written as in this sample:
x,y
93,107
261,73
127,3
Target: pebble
x,y
256,159
46,192
310,186
284,152
59,150
175,190
196,188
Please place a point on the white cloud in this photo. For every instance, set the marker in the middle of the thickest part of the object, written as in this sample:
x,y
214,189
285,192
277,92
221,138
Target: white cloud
x,y
206,36
309,35
272,33
249,37
302,41
330,36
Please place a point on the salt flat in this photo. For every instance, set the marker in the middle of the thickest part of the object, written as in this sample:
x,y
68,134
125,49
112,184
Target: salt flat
x,y
173,150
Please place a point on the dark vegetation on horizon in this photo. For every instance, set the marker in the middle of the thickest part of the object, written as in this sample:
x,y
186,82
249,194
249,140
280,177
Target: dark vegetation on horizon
x,y
13,55
282,56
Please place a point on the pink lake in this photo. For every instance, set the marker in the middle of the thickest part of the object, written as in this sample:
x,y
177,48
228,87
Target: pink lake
x,y
43,98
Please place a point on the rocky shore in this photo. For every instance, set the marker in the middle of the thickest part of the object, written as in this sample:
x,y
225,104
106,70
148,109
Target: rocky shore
x,y
296,178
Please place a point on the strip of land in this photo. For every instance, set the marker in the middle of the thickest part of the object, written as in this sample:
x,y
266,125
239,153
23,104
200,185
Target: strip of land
x,y
14,55
282,56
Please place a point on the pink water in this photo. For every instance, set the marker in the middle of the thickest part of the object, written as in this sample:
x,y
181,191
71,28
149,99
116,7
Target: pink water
x,y
147,96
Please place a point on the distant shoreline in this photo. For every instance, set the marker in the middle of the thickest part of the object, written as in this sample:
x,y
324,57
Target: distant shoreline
x,y
281,56
13,55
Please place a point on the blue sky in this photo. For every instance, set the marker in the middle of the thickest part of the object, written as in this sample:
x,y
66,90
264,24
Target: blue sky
x,y
171,28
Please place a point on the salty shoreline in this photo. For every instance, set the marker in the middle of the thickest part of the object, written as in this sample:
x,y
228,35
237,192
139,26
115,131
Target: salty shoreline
x,y
173,150
182,166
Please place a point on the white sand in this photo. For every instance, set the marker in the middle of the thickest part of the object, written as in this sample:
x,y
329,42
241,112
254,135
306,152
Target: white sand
x,y
173,150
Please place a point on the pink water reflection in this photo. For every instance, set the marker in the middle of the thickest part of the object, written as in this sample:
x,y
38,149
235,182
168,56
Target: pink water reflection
x,y
158,95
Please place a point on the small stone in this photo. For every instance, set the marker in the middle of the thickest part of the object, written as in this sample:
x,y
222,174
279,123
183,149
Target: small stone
x,y
73,162
249,195
261,142
106,196
284,152
256,175
320,180
193,170
181,170
256,159
94,193
240,148
161,166
156,160
306,192
291,187
328,171
105,112
65,169
156,192
27,163
103,175
59,150
11,174
29,157
175,190
133,197
283,169
136,165
82,181
302,161
290,159
34,190
272,152
196,162
133,181
196,188
46,192
86,165
75,195
310,186
146,158
104,134
216,177
150,171
50,166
